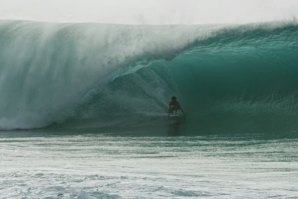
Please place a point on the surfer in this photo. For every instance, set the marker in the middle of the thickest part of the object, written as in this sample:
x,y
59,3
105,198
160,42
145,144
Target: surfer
x,y
174,106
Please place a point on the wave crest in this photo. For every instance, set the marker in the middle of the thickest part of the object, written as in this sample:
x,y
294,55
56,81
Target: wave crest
x,y
91,75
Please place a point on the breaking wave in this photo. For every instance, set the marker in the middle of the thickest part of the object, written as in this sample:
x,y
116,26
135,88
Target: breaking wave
x,y
228,78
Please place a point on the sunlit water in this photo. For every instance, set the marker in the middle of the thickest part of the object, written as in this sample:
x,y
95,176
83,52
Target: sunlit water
x,y
111,166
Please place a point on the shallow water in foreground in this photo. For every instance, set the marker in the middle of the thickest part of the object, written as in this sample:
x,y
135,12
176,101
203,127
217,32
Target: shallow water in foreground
x,y
113,166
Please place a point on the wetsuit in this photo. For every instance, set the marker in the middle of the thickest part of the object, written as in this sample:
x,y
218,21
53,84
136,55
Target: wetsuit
x,y
174,106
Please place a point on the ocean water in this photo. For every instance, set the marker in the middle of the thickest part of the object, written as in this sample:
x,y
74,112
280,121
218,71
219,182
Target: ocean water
x,y
237,79
83,111
35,165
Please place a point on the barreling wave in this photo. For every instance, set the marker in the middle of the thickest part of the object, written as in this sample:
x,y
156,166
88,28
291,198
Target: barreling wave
x,y
95,76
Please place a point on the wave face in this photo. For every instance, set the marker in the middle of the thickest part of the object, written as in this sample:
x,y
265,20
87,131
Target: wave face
x,y
93,76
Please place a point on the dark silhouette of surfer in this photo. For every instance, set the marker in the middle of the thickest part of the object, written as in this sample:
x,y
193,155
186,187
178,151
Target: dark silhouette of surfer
x,y
174,106
175,118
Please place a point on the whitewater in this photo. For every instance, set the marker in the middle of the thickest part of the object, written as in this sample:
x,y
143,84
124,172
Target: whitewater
x,y
108,76
102,166
83,110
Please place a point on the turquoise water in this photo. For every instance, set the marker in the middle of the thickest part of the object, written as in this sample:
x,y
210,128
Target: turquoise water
x,y
83,111
83,77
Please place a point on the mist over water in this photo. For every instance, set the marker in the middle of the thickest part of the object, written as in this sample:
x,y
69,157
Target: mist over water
x,y
50,69
158,12
93,76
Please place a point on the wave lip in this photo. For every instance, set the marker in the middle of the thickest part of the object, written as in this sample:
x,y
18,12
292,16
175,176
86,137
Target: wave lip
x,y
49,69
102,76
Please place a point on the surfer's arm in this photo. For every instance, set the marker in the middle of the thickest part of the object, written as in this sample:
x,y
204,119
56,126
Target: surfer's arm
x,y
181,109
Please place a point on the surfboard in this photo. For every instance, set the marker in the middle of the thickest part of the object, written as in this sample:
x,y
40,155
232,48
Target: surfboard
x,y
176,115
176,118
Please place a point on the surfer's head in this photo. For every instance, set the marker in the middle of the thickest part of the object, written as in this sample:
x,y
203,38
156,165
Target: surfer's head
x,y
173,98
